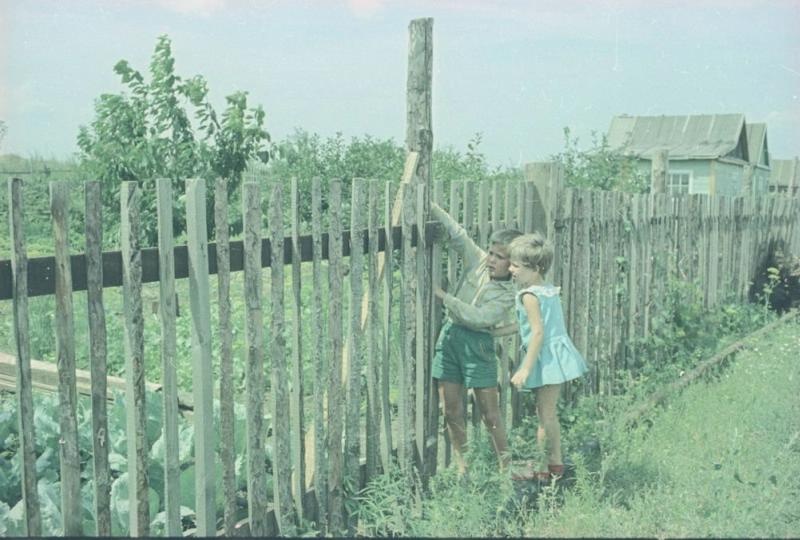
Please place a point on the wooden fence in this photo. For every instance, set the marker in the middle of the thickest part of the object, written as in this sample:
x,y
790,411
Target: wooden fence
x,y
371,404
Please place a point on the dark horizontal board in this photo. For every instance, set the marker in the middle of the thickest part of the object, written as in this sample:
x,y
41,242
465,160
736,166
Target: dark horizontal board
x,y
41,277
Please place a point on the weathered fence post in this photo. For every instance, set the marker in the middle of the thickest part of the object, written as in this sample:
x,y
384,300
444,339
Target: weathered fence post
x,y
319,358
419,138
93,228
335,401
355,335
659,167
254,370
227,415
202,374
168,313
65,354
281,430
19,273
134,360
296,369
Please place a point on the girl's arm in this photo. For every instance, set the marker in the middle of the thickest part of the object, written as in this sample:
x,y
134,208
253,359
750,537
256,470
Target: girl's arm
x,y
459,239
534,313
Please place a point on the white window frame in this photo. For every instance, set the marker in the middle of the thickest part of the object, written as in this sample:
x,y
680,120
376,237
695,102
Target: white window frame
x,y
676,172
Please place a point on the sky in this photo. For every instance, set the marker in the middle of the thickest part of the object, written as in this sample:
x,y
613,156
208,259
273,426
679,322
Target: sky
x,y
517,71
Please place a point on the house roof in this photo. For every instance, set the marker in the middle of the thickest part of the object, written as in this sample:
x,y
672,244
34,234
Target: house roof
x,y
704,136
756,141
784,172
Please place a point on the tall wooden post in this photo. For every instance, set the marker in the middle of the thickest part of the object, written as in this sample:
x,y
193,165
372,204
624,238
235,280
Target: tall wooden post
x,y
659,166
419,139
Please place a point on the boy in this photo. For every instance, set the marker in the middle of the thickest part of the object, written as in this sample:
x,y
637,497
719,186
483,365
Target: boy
x,y
464,356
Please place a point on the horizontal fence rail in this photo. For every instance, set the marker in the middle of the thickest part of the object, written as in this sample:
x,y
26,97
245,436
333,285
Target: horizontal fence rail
x,y
363,326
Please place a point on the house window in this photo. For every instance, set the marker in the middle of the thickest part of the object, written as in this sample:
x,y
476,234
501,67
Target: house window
x,y
678,182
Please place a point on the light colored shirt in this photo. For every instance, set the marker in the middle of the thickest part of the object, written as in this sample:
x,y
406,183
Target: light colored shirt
x,y
479,302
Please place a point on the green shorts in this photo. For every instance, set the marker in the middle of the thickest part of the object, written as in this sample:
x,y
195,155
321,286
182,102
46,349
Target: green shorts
x,y
465,356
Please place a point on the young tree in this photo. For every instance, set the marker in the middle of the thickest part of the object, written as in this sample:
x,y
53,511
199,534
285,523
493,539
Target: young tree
x,y
601,167
166,128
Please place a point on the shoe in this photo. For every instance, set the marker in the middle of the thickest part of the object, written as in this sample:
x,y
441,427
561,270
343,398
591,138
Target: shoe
x,y
556,470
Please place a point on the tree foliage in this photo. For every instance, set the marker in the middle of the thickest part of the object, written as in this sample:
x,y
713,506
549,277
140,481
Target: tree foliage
x,y
600,167
166,127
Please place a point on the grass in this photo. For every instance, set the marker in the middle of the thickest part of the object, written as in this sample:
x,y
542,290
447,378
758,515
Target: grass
x,y
721,460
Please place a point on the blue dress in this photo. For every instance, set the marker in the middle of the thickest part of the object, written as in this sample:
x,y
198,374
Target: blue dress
x,y
559,361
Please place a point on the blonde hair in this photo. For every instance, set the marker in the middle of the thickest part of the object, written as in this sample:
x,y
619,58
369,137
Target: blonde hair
x,y
532,251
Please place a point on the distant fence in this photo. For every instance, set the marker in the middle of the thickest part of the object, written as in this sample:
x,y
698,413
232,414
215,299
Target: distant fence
x,y
370,407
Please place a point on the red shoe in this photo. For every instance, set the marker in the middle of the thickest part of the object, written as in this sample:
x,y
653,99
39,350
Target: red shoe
x,y
556,470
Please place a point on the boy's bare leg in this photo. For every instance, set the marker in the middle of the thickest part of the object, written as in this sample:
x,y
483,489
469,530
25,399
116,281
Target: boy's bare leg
x,y
549,432
452,397
489,405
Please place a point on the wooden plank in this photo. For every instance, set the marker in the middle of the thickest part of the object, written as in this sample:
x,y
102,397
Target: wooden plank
x,y
435,318
387,446
254,345
319,358
406,394
202,373
335,393
134,360
93,230
452,254
421,308
373,423
508,210
483,213
69,457
281,426
167,315
226,381
355,339
296,389
497,205
41,269
19,272
468,220
581,289
521,206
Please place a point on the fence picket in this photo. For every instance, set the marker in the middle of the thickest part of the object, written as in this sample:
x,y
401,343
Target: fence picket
x,y
65,353
406,395
139,513
335,393
388,279
167,314
355,339
296,389
19,272
254,345
93,230
279,385
373,432
202,374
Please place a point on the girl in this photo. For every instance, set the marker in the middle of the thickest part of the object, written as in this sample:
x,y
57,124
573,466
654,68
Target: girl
x,y
550,358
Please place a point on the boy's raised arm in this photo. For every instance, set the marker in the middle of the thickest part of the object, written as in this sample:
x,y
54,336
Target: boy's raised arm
x,y
459,239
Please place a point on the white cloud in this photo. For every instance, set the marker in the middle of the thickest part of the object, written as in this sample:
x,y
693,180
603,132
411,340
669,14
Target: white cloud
x,y
193,7
365,9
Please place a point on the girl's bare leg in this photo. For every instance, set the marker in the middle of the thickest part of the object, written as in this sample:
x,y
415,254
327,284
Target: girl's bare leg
x,y
451,395
549,433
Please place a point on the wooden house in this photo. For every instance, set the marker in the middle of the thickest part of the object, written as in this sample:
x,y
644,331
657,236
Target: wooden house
x,y
785,177
708,153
